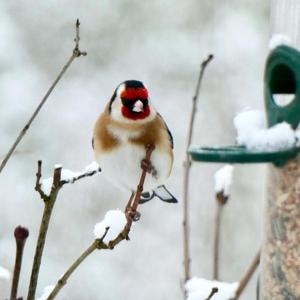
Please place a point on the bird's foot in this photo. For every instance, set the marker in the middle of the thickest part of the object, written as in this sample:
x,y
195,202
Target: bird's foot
x,y
148,167
133,215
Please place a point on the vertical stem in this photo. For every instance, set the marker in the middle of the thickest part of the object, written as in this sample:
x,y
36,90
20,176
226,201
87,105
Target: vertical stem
x,y
21,234
216,246
17,271
49,204
186,176
39,249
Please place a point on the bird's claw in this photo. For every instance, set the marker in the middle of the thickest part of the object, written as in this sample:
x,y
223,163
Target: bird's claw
x,y
133,215
148,167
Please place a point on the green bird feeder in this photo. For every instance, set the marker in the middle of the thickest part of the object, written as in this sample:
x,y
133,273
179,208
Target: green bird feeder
x,y
282,76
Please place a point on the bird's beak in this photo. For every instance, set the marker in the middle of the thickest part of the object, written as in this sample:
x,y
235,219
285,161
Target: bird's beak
x,y
138,106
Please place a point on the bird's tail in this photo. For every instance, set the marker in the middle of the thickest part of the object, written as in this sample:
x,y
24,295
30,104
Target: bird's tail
x,y
160,192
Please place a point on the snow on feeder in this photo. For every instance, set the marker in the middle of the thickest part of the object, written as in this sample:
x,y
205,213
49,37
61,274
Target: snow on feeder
x,y
278,144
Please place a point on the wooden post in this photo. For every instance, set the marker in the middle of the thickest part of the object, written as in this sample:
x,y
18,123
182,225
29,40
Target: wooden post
x,y
280,271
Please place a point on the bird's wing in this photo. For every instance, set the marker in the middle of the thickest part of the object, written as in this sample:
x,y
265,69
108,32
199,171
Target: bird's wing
x,y
168,130
163,194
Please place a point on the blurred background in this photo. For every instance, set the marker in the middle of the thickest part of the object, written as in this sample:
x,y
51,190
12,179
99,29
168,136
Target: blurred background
x,y
161,43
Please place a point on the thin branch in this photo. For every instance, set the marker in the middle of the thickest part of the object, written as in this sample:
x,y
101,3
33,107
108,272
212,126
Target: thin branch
x,y
38,186
221,201
49,204
21,234
187,165
214,290
63,280
132,206
49,201
75,53
247,276
218,215
83,175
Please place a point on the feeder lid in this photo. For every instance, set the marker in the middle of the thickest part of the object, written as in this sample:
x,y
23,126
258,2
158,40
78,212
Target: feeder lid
x,y
240,154
282,77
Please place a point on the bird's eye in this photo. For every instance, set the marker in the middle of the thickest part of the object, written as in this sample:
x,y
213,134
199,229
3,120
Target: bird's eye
x,y
127,102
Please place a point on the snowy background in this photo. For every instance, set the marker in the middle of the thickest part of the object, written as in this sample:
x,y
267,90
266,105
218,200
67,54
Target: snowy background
x,y
161,43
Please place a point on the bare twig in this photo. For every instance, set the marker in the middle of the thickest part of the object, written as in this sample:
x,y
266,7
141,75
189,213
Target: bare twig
x,y
49,203
217,241
221,201
21,234
75,53
98,243
38,186
63,280
187,165
214,290
247,276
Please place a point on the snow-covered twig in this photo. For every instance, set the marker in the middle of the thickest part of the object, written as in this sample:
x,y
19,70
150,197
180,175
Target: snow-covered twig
x,y
223,178
67,176
21,234
114,228
200,288
49,195
214,290
186,176
75,53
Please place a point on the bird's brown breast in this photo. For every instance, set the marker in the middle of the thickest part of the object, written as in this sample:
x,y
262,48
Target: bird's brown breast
x,y
152,132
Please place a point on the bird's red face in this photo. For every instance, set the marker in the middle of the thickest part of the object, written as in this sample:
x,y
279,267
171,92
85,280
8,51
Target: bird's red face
x,y
135,103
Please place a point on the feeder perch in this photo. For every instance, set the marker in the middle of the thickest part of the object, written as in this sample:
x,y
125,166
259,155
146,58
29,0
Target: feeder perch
x,y
282,77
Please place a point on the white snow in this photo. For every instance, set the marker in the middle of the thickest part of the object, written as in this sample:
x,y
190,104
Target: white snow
x,y
47,185
92,167
278,40
4,273
68,176
46,292
246,123
223,178
252,133
115,220
200,288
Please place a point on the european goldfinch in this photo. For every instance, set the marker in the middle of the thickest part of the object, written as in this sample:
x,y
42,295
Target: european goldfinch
x,y
127,125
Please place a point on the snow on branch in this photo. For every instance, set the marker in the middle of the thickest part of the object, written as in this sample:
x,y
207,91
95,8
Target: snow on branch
x,y
114,221
111,231
200,288
253,134
68,176
48,190
223,179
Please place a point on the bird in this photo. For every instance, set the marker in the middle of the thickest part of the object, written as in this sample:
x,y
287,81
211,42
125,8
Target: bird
x,y
128,124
